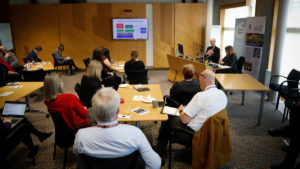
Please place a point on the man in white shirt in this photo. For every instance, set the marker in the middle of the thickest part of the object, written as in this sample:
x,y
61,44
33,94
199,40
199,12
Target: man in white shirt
x,y
109,139
203,105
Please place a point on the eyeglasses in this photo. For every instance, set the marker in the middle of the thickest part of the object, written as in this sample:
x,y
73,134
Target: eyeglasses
x,y
200,74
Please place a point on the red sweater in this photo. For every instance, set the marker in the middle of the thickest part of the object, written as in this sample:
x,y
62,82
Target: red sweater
x,y
70,108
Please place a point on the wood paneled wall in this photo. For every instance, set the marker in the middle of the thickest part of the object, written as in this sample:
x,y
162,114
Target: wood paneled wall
x,y
80,27
83,27
177,23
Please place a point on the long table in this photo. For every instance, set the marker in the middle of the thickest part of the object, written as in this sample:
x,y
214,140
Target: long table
x,y
45,65
243,82
154,113
18,93
118,66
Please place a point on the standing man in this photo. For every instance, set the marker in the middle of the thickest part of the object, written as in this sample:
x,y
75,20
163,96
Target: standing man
x,y
109,139
33,55
57,54
212,52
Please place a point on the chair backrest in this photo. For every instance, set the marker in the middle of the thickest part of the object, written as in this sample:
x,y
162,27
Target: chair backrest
x,y
137,77
112,81
55,61
293,75
82,96
25,60
34,75
86,62
64,135
240,64
131,161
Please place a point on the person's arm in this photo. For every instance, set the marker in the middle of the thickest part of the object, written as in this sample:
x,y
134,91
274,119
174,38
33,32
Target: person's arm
x,y
79,108
191,110
6,125
185,119
150,157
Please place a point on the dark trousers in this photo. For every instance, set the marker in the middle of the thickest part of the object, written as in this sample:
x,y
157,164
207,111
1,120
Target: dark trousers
x,y
167,128
71,63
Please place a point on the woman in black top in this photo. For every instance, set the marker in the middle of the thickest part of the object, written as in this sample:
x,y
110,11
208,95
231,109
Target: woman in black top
x,y
134,63
91,80
230,59
99,54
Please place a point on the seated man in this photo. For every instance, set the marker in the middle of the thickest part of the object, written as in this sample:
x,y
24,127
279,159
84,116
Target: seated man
x,y
109,139
184,91
9,58
203,105
212,52
33,55
57,54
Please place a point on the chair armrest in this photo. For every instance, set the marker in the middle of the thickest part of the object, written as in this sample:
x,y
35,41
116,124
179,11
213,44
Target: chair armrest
x,y
286,82
167,97
276,76
183,130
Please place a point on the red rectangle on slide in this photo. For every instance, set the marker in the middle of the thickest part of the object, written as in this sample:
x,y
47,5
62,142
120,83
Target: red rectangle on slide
x,y
120,26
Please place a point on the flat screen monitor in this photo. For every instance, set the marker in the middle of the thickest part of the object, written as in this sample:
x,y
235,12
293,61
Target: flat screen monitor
x,y
133,29
180,49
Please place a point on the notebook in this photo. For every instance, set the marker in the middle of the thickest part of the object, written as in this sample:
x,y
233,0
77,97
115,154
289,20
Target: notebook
x,y
15,110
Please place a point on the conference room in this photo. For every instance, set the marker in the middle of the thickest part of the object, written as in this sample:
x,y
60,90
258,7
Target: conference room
x,y
141,52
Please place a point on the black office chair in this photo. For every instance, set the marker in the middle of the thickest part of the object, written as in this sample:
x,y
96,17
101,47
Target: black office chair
x,y
82,96
292,81
86,62
112,81
64,135
56,64
137,76
34,75
131,161
25,60
240,64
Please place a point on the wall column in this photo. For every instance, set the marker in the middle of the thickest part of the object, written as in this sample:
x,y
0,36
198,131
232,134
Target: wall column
x,y
279,40
209,15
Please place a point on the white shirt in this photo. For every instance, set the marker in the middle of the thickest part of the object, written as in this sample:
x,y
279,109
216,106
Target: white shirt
x,y
204,105
115,142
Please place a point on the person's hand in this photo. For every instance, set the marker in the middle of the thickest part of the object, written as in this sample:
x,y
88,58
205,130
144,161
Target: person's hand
x,y
6,55
180,108
7,120
221,62
11,72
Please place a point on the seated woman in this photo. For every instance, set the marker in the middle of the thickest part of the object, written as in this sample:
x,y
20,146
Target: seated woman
x,y
99,55
20,133
230,60
91,80
70,107
134,63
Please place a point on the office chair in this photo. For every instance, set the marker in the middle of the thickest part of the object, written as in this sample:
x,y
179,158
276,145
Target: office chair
x,y
137,77
86,62
82,96
56,64
131,161
240,64
112,81
34,75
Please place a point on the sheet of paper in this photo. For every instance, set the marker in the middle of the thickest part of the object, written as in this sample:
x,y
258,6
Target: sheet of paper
x,y
138,98
15,87
6,93
171,111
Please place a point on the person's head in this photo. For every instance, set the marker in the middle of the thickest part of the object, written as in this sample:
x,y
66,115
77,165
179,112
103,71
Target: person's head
x,y
94,69
61,47
38,49
105,104
106,53
229,50
206,78
52,86
212,41
188,71
98,54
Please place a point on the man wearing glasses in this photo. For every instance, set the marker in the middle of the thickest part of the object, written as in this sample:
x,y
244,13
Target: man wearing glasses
x,y
203,105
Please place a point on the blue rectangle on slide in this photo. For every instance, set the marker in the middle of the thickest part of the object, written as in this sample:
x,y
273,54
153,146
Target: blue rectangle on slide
x,y
143,31
125,35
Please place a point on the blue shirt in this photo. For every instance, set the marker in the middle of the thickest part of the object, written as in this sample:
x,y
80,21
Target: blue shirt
x,y
115,142
33,57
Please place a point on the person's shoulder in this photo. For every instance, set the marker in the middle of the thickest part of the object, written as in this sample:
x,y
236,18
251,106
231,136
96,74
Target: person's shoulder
x,y
130,128
68,95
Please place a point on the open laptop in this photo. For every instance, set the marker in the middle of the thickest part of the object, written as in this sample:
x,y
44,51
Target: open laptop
x,y
15,110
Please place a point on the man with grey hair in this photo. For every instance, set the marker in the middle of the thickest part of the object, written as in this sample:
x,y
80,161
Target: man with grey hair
x,y
109,139
203,105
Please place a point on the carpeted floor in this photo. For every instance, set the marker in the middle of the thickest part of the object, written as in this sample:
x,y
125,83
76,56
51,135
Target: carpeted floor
x,y
252,147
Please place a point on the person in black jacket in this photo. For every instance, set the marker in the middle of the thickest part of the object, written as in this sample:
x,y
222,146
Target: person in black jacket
x,y
184,91
212,52
230,60
91,80
134,63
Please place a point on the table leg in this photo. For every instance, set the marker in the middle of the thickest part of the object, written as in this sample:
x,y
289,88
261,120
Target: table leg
x,y
261,107
27,99
243,98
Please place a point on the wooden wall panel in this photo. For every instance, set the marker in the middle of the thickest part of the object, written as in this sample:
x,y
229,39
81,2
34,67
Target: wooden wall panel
x,y
190,21
35,25
81,34
163,33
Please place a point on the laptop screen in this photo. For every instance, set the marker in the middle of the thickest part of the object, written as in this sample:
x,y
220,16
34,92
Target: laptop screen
x,y
14,109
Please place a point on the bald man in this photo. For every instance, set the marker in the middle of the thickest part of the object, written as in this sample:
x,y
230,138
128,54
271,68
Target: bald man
x,y
212,52
203,105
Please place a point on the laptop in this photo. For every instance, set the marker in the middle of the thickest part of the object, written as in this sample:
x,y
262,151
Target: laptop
x,y
15,110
